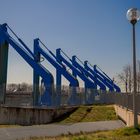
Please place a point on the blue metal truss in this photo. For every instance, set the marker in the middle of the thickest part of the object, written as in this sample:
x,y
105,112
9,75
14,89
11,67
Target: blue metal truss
x,y
29,57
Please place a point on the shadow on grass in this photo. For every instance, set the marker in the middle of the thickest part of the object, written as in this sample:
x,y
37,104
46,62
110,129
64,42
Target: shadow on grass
x,y
88,110
64,116
72,120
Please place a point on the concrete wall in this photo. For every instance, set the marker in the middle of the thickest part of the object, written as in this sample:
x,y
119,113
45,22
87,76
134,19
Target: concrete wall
x,y
31,115
126,115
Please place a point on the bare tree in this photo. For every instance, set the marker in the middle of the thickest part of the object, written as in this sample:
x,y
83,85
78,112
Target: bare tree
x,y
12,87
20,87
25,87
126,78
123,80
129,78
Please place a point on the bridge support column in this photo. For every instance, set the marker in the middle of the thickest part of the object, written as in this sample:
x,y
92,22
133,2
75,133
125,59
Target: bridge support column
x,y
3,70
58,87
35,89
36,77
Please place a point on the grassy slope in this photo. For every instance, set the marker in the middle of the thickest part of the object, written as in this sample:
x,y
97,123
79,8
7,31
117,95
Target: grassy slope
x,y
90,114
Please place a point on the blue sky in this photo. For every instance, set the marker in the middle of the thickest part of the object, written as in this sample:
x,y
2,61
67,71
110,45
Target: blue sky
x,y
94,30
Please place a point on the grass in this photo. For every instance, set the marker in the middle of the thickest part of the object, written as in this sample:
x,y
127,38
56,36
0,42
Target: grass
x,y
5,126
90,114
127,133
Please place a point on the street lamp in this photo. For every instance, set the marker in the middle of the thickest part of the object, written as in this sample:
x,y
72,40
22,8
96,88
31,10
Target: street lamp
x,y
133,15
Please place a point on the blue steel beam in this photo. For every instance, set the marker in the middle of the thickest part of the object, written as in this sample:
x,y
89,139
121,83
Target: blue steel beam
x,y
73,81
60,70
88,74
88,83
110,87
36,79
40,70
103,77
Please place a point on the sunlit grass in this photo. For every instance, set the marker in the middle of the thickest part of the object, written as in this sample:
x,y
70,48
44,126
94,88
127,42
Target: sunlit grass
x,y
127,133
91,114
3,126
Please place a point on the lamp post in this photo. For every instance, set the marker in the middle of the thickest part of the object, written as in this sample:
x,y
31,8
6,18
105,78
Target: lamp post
x,y
133,15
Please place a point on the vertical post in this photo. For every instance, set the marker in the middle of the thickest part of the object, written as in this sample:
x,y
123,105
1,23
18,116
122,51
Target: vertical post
x,y
73,94
3,70
36,76
135,79
58,87
58,78
133,15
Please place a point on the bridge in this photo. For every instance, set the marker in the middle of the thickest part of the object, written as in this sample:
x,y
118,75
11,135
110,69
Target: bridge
x,y
98,86
93,77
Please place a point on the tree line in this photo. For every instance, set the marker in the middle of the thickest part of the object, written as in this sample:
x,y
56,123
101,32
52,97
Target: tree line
x,y
19,87
125,78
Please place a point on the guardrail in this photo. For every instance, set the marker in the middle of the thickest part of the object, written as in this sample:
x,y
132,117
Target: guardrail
x,y
66,97
126,100
63,96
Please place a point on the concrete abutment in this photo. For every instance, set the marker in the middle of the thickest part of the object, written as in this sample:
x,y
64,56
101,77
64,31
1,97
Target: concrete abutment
x,y
31,115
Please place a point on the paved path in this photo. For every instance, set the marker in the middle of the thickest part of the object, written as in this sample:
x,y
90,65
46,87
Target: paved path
x,y
57,129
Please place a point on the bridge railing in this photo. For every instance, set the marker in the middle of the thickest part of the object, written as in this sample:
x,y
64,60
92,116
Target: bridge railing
x,y
67,96
126,100
63,96
82,96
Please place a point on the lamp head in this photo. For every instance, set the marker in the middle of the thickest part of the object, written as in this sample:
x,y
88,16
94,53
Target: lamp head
x,y
133,15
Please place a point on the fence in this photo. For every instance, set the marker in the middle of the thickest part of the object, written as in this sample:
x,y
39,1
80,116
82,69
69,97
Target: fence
x,y
63,96
67,96
126,100
19,99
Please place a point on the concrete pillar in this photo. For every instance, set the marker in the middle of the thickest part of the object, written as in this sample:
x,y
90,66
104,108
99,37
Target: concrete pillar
x,y
3,70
